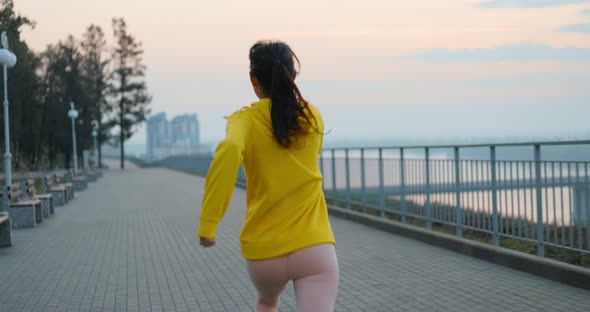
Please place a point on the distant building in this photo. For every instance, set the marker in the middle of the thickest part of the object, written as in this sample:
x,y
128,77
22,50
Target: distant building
x,y
177,137
184,130
157,134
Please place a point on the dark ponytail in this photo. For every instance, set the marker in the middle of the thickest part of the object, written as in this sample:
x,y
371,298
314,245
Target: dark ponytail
x,y
273,64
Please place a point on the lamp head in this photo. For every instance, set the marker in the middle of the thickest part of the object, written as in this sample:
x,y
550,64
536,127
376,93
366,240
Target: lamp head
x,y
6,57
72,113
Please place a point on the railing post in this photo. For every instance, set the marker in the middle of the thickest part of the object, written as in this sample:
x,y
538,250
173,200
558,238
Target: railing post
x,y
403,185
495,237
334,171
428,205
458,210
347,170
363,181
539,190
381,185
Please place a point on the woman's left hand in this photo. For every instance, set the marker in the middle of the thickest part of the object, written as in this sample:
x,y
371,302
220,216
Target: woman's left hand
x,y
207,242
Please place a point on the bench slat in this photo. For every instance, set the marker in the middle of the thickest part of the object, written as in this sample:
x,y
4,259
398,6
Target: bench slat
x,y
26,203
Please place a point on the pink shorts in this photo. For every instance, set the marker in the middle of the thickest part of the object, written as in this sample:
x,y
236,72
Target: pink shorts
x,y
314,271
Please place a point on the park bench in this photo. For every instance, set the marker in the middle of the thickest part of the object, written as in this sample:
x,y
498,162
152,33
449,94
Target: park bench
x,y
5,231
68,185
23,213
91,175
97,172
47,199
78,182
59,192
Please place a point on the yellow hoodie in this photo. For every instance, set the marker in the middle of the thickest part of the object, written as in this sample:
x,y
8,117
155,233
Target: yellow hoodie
x,y
286,208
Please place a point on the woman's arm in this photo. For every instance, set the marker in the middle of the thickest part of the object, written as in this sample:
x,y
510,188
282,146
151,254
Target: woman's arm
x,y
222,175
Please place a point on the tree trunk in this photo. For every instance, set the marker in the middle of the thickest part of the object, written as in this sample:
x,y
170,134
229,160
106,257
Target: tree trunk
x,y
121,131
122,144
68,158
98,141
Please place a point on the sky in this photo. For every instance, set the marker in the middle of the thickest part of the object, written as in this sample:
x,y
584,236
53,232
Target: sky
x,y
377,69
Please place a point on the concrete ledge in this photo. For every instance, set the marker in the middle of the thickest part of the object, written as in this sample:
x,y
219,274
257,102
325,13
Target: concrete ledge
x,y
79,185
542,267
69,195
23,217
51,205
47,211
39,212
91,177
59,198
48,206
5,233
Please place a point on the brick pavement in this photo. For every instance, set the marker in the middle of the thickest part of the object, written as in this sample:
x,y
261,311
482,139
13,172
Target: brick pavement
x,y
128,244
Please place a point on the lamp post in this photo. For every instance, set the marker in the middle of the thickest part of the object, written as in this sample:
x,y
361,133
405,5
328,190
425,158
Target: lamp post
x,y
94,139
7,59
73,113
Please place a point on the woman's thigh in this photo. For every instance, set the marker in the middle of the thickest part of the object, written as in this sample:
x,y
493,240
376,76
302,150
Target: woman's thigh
x,y
270,276
315,274
313,260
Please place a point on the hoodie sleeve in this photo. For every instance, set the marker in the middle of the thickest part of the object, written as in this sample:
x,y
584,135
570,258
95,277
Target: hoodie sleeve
x,y
222,174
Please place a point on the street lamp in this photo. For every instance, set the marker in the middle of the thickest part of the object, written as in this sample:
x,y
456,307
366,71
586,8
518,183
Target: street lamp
x,y
94,139
73,113
7,59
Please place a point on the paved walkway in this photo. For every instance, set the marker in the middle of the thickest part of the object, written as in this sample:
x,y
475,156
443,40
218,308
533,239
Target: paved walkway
x,y
128,244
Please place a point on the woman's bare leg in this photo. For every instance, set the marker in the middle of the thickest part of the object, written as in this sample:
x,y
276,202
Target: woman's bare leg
x,y
315,273
270,277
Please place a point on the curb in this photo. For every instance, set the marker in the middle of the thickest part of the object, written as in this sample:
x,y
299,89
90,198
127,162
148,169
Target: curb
x,y
546,268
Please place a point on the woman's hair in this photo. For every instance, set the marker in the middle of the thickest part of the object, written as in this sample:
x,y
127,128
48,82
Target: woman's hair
x,y
273,64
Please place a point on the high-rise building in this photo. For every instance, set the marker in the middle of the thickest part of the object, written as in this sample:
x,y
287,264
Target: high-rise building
x,y
177,137
157,134
184,130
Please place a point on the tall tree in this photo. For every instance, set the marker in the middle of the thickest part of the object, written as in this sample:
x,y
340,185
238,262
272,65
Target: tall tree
x,y
76,92
24,90
64,83
95,69
53,121
129,89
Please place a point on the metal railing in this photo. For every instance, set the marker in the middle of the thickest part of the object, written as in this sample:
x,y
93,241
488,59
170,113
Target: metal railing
x,y
534,200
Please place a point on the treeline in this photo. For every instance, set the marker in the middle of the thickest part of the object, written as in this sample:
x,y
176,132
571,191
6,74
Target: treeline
x,y
105,81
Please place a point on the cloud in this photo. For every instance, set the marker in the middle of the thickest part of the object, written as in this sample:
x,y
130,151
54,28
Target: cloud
x,y
576,28
528,3
520,52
